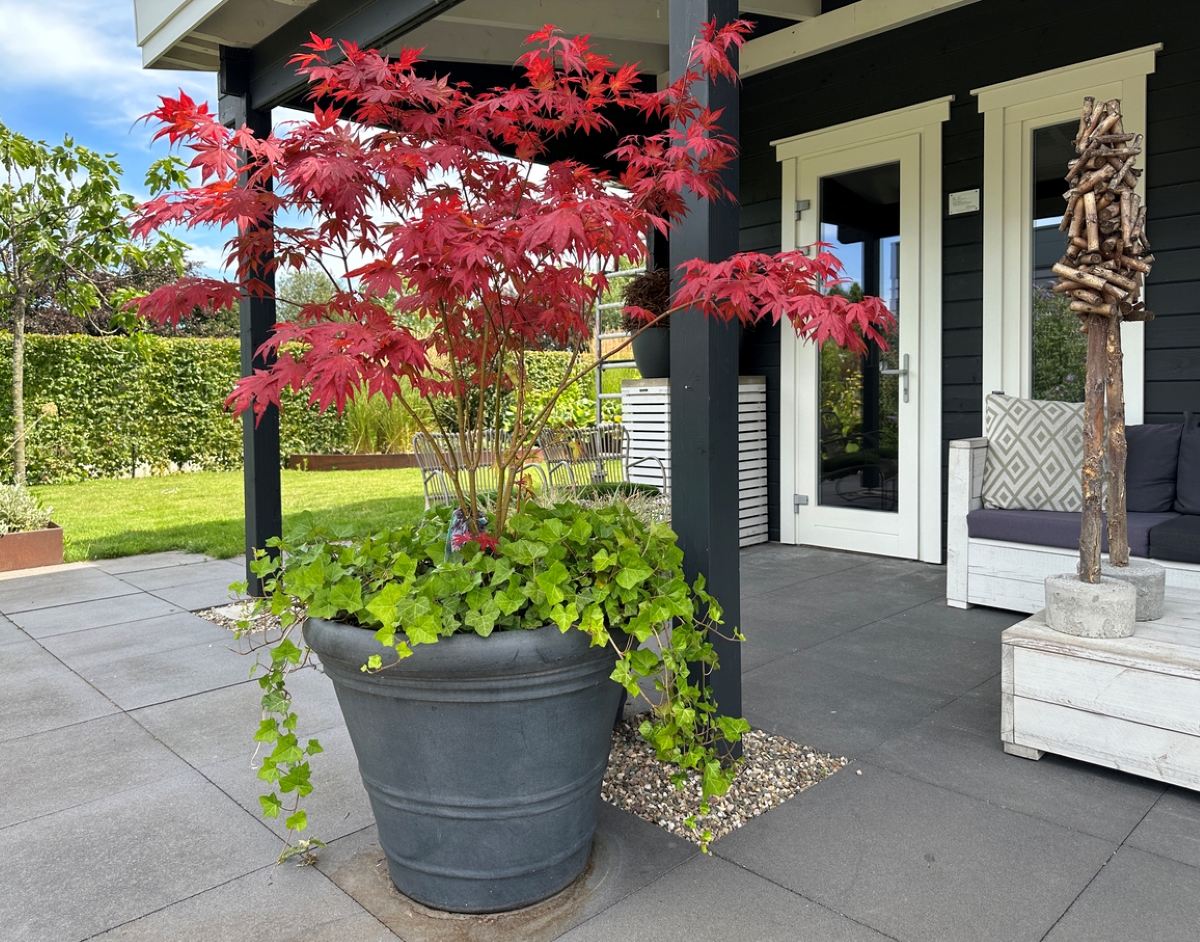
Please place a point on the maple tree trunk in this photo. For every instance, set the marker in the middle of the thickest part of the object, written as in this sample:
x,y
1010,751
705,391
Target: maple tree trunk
x,y
1093,449
1118,531
18,388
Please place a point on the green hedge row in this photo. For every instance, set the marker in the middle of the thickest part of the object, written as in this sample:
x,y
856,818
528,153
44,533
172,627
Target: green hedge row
x,y
115,403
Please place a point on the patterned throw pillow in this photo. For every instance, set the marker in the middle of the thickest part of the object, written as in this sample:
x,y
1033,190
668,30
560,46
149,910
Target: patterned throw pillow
x,y
1035,455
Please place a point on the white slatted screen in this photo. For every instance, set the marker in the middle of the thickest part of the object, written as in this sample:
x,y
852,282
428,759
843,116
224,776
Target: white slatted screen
x,y
646,412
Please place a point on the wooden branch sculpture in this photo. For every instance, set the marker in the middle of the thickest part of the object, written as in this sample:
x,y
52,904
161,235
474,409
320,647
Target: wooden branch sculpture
x,y
1107,260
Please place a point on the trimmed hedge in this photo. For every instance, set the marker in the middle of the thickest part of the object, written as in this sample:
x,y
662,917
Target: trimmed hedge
x,y
119,402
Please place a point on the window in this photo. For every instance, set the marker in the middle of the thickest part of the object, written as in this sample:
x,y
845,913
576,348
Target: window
x,y
1027,124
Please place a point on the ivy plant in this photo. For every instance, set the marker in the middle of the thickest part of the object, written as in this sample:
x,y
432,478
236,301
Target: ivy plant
x,y
600,570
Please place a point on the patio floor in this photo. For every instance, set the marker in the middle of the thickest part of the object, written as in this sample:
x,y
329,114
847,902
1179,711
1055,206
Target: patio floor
x,y
129,810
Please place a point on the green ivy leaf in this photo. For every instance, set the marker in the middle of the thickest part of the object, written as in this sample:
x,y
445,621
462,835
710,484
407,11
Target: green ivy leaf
x,y
297,821
268,731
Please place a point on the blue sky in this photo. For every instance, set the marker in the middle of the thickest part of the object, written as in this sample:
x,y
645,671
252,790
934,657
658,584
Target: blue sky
x,y
73,67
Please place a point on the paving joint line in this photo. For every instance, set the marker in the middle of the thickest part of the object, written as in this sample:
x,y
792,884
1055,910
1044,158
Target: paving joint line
x,y
797,893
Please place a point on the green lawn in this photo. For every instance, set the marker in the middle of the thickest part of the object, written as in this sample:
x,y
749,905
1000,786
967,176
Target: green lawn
x,y
204,512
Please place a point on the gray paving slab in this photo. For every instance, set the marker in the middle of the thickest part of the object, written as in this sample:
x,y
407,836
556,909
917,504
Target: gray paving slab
x,y
972,622
91,646
709,898
229,570
194,596
10,633
38,692
1172,828
755,656
73,765
61,587
146,561
853,593
628,854
930,658
775,567
783,622
831,708
58,619
140,680
808,561
297,904
220,724
941,836
338,804
1136,896
1076,795
75,873
917,862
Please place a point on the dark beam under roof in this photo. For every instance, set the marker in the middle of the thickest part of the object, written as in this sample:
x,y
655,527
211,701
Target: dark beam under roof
x,y
370,23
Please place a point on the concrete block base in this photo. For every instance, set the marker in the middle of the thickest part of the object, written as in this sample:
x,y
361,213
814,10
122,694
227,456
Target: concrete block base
x,y
1105,610
1150,581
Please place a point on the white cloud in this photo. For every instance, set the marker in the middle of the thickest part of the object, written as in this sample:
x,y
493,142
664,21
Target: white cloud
x,y
86,50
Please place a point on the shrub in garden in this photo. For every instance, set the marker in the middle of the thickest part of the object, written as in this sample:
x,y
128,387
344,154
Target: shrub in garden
x,y
20,511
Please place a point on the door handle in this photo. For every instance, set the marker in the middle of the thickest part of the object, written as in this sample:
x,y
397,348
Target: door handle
x,y
903,373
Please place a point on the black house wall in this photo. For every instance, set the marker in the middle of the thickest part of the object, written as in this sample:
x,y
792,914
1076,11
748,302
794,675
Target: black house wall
x,y
978,45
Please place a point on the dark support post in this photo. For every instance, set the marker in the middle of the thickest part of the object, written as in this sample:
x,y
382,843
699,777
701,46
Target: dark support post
x,y
704,383
260,442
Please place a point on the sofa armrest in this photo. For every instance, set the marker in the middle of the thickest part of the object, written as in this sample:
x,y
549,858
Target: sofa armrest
x,y
965,493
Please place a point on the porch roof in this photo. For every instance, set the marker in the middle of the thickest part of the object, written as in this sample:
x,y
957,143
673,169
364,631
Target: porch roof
x,y
188,34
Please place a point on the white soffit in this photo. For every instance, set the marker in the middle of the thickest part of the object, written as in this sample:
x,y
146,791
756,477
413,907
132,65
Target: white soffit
x,y
494,32
186,34
837,28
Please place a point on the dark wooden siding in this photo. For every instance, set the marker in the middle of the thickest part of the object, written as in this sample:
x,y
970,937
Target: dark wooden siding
x,y
978,45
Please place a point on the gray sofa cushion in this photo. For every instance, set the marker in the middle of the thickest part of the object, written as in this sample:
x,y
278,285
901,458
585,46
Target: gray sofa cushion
x,y
1055,528
1187,479
1152,466
1177,539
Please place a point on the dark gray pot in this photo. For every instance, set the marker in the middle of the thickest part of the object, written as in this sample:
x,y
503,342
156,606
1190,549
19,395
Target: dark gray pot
x,y
652,352
482,757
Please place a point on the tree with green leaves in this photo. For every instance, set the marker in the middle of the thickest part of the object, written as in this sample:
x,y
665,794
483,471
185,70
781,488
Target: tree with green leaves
x,y
63,222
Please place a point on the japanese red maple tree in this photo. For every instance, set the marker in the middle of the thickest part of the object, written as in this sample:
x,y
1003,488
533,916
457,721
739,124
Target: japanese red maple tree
x,y
400,188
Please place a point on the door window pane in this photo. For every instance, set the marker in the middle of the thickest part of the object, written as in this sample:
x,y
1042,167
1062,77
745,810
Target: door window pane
x,y
860,219
1059,349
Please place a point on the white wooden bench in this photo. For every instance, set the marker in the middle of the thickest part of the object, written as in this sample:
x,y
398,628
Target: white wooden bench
x,y
1002,574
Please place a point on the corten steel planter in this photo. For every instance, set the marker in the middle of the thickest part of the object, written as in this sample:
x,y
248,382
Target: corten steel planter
x,y
482,757
371,462
31,549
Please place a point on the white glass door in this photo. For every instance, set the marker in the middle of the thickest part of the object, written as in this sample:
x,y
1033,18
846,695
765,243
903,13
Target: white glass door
x,y
858,416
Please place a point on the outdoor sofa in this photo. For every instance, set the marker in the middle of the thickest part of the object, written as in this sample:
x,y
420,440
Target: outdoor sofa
x,y
1000,550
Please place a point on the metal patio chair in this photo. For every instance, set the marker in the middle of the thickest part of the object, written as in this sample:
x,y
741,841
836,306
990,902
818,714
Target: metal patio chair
x,y
436,479
597,454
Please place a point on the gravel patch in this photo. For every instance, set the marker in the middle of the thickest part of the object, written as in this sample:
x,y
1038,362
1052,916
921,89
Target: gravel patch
x,y
228,616
774,769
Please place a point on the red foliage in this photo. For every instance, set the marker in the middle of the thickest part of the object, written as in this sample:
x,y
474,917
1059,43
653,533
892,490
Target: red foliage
x,y
398,181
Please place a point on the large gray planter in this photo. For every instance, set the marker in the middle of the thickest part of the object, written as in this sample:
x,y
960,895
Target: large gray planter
x,y
482,757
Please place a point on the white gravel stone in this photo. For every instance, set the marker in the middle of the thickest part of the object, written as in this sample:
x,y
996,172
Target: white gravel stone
x,y
774,769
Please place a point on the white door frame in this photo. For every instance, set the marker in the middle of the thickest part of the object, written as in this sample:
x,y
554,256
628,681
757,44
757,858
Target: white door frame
x,y
1012,111
918,129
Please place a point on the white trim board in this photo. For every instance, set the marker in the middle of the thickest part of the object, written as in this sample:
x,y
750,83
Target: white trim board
x,y
1012,111
837,28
